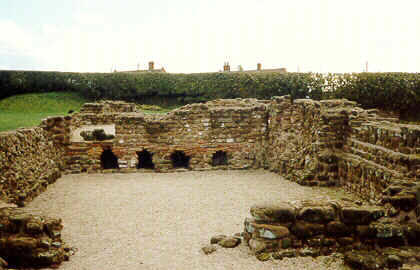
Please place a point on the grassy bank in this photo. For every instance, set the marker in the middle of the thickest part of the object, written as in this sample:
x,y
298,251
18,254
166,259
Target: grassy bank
x,y
29,109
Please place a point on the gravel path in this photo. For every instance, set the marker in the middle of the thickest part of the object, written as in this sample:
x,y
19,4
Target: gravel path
x,y
161,221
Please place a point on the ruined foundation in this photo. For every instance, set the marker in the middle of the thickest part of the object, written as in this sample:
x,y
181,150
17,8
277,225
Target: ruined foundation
x,y
316,143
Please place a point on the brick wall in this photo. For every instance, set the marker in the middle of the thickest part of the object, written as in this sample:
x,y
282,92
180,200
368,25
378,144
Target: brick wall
x,y
198,130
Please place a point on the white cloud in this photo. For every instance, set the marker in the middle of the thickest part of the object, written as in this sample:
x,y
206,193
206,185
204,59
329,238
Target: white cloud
x,y
195,37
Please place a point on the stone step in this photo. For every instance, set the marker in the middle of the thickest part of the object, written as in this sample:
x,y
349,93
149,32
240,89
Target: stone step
x,y
395,137
365,177
383,156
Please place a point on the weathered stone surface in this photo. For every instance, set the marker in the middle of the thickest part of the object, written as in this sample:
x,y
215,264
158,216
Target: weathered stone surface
x,y
364,260
337,228
386,230
361,215
288,253
306,230
263,256
209,249
312,252
393,261
30,159
268,231
229,242
317,213
217,238
280,212
345,241
29,240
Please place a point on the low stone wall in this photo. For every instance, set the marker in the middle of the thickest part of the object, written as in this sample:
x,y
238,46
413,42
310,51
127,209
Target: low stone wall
x,y
30,240
333,142
29,161
308,228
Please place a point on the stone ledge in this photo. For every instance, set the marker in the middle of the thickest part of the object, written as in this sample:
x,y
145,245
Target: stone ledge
x,y
306,228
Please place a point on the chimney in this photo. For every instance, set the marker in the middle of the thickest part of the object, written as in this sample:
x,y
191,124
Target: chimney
x,y
151,66
259,67
226,67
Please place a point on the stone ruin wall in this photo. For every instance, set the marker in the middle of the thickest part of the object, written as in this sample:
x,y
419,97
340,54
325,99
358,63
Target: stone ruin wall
x,y
28,240
31,159
336,143
323,143
198,130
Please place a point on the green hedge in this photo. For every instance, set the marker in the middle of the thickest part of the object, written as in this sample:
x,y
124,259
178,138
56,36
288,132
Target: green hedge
x,y
398,92
391,91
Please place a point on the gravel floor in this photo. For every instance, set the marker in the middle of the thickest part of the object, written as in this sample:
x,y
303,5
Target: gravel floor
x,y
161,221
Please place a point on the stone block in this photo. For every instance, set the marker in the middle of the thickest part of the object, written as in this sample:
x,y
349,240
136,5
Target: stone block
x,y
279,212
360,215
268,231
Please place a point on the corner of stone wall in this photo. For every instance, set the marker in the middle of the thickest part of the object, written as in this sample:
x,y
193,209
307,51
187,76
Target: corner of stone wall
x,y
32,158
302,138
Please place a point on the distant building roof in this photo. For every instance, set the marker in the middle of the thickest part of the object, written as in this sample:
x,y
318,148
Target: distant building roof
x,y
226,68
151,69
266,70
161,70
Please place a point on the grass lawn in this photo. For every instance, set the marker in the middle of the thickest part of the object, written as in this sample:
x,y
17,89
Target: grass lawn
x,y
28,110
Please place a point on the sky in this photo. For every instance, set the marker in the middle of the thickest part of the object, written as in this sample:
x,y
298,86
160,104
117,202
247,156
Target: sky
x,y
199,35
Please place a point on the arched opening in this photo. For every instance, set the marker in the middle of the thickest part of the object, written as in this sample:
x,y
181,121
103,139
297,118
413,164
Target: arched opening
x,y
109,160
180,160
145,160
219,158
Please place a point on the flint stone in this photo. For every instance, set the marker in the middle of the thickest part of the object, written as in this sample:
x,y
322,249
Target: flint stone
x,y
364,260
361,215
270,231
229,242
263,256
22,243
34,227
50,257
217,238
209,249
279,212
317,214
336,228
288,253
312,252
384,230
306,230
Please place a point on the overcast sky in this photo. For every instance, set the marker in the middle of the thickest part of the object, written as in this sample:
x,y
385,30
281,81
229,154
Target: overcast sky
x,y
199,36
